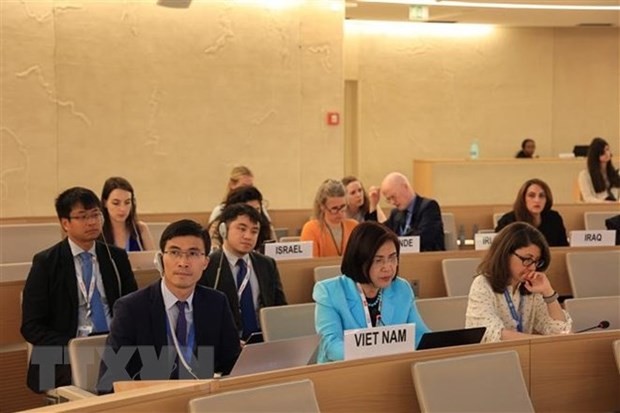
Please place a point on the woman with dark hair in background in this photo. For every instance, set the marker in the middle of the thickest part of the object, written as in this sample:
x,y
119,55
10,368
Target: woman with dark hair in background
x,y
600,182
528,146
121,226
533,205
368,294
362,206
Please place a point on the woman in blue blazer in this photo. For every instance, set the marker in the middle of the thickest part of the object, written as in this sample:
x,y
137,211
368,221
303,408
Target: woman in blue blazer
x,y
368,294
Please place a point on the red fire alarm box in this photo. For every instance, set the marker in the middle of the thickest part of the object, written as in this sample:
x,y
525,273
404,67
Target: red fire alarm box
x,y
333,118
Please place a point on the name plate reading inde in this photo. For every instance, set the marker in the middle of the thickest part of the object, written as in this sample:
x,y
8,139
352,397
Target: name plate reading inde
x,y
379,341
595,238
281,251
409,244
484,240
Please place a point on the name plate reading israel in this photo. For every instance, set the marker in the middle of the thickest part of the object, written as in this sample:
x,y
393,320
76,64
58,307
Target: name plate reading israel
x,y
409,244
483,241
281,251
379,341
595,238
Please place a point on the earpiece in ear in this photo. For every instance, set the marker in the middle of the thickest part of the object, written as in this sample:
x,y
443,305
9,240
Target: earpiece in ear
x,y
158,261
223,230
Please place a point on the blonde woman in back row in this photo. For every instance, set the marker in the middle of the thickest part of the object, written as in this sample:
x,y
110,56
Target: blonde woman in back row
x,y
330,229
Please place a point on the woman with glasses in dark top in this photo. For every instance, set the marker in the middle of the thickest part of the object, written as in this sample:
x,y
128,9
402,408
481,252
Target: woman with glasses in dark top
x,y
330,229
511,295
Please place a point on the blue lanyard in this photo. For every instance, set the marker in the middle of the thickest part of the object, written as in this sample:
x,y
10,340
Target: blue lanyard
x,y
513,311
188,350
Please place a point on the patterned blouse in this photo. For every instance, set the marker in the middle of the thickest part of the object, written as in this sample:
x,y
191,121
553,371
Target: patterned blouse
x,y
486,308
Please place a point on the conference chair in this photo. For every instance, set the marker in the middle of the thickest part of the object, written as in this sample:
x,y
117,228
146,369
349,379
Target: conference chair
x,y
157,228
617,353
287,321
487,382
85,357
596,220
290,239
324,272
296,396
594,273
20,242
14,271
458,274
591,311
496,217
449,231
443,313
142,260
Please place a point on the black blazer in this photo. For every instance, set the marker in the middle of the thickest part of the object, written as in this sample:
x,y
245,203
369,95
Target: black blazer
x,y
140,320
551,226
425,222
50,301
270,285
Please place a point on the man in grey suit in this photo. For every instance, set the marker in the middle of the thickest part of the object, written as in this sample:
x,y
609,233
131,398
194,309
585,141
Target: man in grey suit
x,y
249,279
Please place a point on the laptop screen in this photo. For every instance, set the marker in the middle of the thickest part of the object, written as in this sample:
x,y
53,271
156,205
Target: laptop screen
x,y
448,338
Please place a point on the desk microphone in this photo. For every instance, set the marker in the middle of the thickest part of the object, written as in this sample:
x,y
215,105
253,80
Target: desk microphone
x,y
602,325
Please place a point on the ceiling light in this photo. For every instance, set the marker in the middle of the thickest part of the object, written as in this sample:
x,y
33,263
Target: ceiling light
x,y
529,6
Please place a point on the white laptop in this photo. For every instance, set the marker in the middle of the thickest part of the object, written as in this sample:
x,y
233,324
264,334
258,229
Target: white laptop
x,y
276,355
142,260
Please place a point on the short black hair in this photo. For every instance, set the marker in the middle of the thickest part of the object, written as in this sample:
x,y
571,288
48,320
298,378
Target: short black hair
x,y
184,228
243,194
364,242
232,211
74,196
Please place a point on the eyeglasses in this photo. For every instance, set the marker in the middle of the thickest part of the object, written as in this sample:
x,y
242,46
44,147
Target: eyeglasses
x,y
94,216
191,255
382,262
337,209
527,261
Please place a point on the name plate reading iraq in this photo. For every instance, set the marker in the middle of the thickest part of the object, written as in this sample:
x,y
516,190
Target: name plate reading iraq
x,y
379,341
409,244
483,241
281,251
597,238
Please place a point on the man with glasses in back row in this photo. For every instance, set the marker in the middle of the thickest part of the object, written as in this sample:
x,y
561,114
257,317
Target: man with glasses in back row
x,y
71,288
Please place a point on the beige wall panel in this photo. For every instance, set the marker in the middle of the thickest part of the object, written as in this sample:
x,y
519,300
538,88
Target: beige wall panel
x,y
29,101
172,99
586,81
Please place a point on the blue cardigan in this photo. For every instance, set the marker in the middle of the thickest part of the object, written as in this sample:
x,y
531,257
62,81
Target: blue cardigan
x,y
339,308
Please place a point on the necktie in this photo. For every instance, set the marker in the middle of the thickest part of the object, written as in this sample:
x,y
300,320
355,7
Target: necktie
x,y
97,314
404,226
246,302
181,328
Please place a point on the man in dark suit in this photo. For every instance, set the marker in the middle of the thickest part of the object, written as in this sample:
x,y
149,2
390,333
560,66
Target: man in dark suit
x,y
413,214
172,328
249,279
71,288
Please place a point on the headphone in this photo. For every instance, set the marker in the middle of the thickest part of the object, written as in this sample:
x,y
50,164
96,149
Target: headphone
x,y
158,261
223,230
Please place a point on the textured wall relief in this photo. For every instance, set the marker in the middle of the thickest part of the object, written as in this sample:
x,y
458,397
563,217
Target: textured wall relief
x,y
16,164
153,138
324,53
42,18
36,72
223,39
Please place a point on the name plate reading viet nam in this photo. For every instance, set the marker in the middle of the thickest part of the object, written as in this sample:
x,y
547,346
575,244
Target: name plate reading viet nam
x,y
409,244
379,341
596,238
281,251
484,240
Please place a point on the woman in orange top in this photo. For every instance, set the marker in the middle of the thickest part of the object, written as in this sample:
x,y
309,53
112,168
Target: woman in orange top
x,y
329,230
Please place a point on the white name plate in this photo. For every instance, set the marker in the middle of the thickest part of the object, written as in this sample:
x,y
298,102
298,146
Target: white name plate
x,y
379,341
409,244
483,241
595,238
281,251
